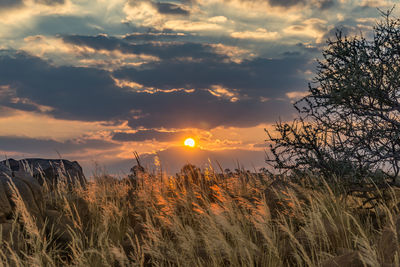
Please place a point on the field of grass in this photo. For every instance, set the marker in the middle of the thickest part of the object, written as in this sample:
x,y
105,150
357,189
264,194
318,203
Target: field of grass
x,y
240,219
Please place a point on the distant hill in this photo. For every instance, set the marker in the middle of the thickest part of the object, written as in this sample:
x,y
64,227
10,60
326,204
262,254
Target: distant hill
x,y
173,159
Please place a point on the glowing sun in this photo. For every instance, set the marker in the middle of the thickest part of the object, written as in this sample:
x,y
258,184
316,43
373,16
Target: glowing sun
x,y
190,142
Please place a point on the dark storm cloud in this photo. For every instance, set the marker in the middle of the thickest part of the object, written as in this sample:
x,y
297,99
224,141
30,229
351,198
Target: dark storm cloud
x,y
256,77
63,24
50,2
90,94
15,3
10,3
320,4
80,93
286,3
327,4
163,51
149,36
168,8
202,110
144,135
40,146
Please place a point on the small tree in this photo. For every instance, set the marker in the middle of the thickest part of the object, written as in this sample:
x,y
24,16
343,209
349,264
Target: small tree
x,y
349,124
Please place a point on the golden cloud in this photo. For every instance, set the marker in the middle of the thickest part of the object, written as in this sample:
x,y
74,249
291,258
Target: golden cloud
x,y
259,34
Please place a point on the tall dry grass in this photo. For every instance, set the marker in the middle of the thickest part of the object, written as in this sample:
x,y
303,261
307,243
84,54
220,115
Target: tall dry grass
x,y
198,219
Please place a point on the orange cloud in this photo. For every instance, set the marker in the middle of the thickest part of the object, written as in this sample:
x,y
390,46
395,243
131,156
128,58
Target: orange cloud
x,y
34,125
296,94
187,25
313,27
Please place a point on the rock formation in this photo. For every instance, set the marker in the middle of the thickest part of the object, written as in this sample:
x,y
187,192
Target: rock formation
x,y
51,169
20,188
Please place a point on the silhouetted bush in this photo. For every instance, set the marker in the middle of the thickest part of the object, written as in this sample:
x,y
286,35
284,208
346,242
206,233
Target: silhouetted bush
x,y
348,126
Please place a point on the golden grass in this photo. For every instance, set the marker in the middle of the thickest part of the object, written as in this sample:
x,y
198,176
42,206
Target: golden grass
x,y
200,220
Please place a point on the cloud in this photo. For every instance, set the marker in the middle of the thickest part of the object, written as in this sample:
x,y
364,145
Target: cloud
x,y
190,26
261,145
218,19
259,34
204,111
176,16
50,2
66,89
375,3
139,36
327,4
43,146
10,3
146,135
201,66
254,78
351,27
321,4
90,94
286,3
165,50
295,95
15,122
168,8
313,27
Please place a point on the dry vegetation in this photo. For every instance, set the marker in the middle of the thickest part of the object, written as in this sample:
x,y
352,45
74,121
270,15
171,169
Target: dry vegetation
x,y
207,219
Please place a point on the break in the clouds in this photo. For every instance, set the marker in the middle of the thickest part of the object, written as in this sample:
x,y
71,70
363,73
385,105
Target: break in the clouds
x,y
144,74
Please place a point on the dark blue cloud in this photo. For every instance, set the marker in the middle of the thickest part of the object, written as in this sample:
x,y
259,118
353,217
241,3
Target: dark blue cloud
x,y
163,51
255,78
203,110
286,3
40,146
321,4
154,35
194,65
10,3
50,2
18,3
91,94
169,8
80,93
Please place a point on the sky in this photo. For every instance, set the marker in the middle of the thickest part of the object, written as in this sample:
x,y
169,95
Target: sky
x,y
95,80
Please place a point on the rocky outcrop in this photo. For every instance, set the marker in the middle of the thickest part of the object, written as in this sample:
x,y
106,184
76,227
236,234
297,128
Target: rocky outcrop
x,y
51,169
20,188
